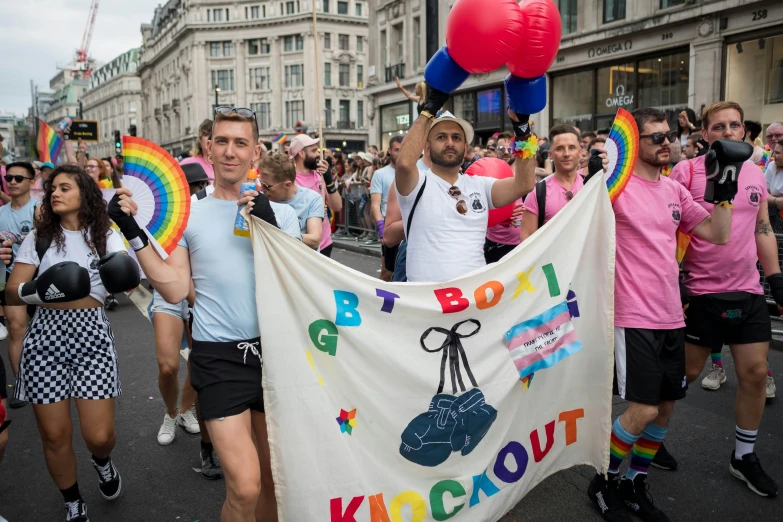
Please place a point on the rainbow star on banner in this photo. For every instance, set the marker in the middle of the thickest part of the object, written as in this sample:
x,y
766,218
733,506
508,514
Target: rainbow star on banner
x,y
347,421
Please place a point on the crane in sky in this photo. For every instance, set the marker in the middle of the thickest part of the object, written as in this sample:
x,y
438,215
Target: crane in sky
x,y
82,61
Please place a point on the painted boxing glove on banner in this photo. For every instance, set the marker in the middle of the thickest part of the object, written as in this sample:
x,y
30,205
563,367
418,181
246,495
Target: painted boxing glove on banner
x,y
474,418
427,439
723,163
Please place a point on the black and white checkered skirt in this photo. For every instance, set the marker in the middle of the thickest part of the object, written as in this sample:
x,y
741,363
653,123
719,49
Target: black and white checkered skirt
x,y
68,353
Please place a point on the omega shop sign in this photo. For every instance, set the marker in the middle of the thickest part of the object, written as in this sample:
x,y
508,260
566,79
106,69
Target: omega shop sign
x,y
620,99
609,49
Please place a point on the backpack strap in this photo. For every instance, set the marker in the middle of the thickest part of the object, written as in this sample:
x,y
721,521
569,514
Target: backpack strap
x,y
41,246
541,200
413,209
201,194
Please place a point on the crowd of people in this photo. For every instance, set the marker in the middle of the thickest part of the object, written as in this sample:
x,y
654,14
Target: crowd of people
x,y
65,263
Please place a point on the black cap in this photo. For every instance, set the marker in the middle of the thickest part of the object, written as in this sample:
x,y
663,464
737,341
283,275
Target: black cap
x,y
194,173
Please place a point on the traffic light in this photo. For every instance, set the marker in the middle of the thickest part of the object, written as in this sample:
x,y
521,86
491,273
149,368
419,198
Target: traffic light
x,y
117,142
132,130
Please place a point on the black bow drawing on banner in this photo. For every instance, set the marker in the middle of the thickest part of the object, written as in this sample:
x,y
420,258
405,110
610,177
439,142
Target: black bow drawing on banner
x,y
451,423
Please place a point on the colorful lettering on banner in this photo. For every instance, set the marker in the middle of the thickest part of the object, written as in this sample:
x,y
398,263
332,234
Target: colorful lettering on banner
x,y
480,295
551,279
535,443
524,283
347,309
437,505
516,450
388,299
336,508
484,484
417,505
326,342
570,418
378,511
451,300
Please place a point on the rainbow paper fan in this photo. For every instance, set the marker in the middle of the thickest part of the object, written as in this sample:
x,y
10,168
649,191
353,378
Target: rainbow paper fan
x,y
622,149
159,188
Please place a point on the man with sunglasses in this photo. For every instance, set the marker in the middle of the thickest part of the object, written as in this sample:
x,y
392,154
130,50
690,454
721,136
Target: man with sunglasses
x,y
16,221
225,361
648,313
727,303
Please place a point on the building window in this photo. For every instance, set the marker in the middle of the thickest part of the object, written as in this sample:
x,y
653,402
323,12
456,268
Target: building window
x,y
326,6
343,42
223,79
327,40
328,113
254,12
228,49
217,15
328,74
360,76
294,75
384,53
345,113
290,7
288,44
342,7
358,9
299,42
214,49
416,42
568,13
257,46
614,10
359,44
762,61
262,114
259,78
360,114
671,3
345,75
489,109
294,111
397,43
132,106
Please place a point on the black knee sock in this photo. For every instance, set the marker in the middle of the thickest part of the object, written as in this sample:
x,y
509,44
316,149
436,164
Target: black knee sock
x,y
101,462
71,494
2,320
206,445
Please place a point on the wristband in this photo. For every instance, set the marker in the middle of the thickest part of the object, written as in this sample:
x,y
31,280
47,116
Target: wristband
x,y
725,204
330,188
525,149
428,115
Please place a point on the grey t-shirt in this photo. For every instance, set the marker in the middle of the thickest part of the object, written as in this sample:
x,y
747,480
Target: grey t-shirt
x,y
18,222
307,204
222,269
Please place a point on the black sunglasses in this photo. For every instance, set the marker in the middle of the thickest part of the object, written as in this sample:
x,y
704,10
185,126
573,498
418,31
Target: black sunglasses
x,y
9,178
225,110
657,137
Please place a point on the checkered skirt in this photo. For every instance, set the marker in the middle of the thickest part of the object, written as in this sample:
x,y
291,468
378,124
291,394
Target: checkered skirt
x,y
68,353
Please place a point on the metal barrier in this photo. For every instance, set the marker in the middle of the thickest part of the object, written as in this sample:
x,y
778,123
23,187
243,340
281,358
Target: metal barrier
x,y
765,285
349,220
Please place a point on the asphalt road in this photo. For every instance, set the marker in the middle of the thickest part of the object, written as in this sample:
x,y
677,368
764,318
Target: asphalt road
x,y
159,483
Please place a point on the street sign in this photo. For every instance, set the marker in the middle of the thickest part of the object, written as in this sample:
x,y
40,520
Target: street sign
x,y
87,130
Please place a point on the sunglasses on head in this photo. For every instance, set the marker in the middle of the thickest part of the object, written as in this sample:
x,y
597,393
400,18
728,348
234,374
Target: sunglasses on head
x,y
9,178
225,110
657,137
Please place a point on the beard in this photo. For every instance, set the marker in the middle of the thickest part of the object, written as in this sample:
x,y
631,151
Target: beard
x,y
311,163
439,159
655,159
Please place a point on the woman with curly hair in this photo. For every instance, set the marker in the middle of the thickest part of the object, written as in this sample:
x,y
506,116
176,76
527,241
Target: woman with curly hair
x,y
65,267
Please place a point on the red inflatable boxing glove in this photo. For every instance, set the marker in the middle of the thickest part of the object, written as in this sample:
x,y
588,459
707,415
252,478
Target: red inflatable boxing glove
x,y
540,41
482,35
498,169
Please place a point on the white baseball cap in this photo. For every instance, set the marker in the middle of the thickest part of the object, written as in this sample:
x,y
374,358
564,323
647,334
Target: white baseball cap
x,y
299,143
447,116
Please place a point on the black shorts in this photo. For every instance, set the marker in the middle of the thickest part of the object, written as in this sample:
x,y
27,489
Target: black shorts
x,y
732,318
227,377
327,251
389,256
494,252
3,384
649,365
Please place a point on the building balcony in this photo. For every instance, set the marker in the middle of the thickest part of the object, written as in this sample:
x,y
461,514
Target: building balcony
x,y
166,107
397,70
346,125
158,113
175,105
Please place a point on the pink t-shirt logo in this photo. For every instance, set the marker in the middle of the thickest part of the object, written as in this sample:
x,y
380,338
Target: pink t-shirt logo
x,y
675,208
754,195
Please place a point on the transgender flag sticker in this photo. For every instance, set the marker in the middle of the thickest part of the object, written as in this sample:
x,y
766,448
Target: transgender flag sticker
x,y
544,340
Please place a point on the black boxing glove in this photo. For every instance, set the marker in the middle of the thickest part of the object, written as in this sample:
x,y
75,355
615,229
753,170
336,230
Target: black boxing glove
x,y
262,209
701,151
723,163
60,283
434,102
119,272
135,235
776,287
331,188
522,128
594,165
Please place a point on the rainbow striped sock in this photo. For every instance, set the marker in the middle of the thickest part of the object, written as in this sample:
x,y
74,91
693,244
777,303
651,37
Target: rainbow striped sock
x,y
717,357
620,445
644,450
769,369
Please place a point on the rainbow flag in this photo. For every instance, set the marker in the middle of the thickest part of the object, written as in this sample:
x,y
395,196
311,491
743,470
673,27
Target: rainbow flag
x,y
49,143
280,138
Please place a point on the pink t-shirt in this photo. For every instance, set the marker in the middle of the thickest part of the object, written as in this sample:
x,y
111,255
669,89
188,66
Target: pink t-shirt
x,y
555,197
646,281
208,168
731,267
505,235
314,181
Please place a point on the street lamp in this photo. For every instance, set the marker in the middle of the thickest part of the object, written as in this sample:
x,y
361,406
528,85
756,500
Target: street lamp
x,y
217,91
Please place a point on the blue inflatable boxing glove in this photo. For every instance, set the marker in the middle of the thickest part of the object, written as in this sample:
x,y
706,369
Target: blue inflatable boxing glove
x,y
443,76
525,97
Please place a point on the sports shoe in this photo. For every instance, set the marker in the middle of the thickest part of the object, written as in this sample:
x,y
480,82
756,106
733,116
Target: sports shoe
x,y
15,403
210,465
167,430
749,470
76,511
188,422
3,332
664,460
714,379
109,480
605,495
636,495
111,302
771,387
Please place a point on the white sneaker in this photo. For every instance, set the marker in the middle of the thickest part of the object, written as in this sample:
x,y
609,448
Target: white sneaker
x,y
771,387
167,430
188,421
714,379
3,332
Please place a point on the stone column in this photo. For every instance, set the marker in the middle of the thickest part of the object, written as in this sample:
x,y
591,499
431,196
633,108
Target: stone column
x,y
240,74
704,83
277,113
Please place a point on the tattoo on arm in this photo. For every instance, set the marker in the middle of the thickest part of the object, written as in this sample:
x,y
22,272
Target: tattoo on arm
x,y
762,227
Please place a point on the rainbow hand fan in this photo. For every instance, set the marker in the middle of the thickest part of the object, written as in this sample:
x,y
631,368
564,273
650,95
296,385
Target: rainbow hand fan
x,y
622,149
159,188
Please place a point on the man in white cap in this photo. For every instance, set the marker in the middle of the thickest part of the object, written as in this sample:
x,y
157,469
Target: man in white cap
x,y
446,232
314,174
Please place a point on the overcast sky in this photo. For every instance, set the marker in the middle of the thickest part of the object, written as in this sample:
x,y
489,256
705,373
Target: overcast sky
x,y
39,35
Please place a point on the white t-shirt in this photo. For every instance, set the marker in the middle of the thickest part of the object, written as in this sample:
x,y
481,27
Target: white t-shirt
x,y
443,243
774,177
75,249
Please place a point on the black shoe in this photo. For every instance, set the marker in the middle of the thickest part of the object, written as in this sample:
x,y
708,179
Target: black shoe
x,y
605,495
664,460
210,466
749,469
111,302
15,403
636,495
109,480
76,511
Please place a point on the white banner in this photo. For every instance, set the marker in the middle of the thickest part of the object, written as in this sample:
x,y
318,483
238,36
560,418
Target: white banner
x,y
392,402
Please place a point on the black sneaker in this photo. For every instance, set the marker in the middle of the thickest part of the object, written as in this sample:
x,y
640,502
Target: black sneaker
x,y
15,403
111,302
605,495
749,469
636,495
76,511
210,465
109,480
664,460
